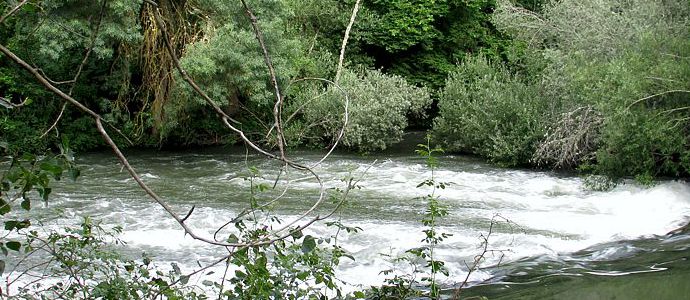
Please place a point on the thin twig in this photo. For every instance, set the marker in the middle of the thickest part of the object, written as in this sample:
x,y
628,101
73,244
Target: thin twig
x,y
479,258
57,120
656,95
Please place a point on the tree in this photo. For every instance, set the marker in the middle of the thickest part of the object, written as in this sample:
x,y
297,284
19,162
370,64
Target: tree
x,y
247,248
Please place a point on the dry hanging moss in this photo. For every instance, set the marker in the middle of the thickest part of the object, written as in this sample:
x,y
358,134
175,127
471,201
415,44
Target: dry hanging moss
x,y
155,63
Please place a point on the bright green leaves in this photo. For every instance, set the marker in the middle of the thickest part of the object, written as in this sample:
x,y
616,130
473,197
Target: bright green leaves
x,y
422,40
429,154
21,178
29,174
434,211
407,285
400,24
85,253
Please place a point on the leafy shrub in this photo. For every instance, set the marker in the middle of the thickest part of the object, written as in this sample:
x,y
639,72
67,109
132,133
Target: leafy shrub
x,y
378,108
238,80
628,70
79,262
642,144
598,183
486,110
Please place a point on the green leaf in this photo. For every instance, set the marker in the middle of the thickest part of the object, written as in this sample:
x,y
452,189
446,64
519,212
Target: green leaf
x,y
348,256
44,193
184,279
4,207
359,295
207,283
232,239
302,276
13,245
176,268
308,244
73,173
296,235
52,168
26,204
11,225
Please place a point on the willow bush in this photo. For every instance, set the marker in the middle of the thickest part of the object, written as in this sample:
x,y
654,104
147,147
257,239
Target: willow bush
x,y
228,64
623,62
486,110
379,105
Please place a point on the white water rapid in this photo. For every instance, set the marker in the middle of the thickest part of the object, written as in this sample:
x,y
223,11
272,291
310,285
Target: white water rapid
x,y
549,214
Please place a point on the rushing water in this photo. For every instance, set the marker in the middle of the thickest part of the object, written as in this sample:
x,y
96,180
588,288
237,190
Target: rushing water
x,y
561,242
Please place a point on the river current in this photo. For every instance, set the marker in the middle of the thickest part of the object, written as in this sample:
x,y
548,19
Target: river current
x,y
552,237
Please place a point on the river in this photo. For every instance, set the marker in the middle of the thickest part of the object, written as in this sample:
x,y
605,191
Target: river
x,y
561,241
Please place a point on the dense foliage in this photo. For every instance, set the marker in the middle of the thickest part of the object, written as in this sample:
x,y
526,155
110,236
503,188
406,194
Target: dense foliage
x,y
110,55
599,84
486,110
377,105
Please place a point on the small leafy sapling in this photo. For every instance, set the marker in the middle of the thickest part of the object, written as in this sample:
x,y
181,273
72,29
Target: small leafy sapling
x,y
435,210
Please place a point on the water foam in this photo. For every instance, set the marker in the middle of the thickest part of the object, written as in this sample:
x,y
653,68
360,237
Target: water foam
x,y
549,215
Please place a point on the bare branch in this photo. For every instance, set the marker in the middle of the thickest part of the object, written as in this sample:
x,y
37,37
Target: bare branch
x,y
12,11
345,38
57,120
571,140
8,103
278,107
656,95
47,84
189,213
480,257
92,43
